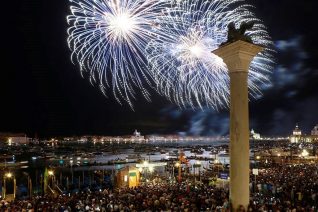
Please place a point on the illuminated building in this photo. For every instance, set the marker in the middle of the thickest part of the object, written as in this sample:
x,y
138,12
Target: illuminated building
x,y
255,135
314,133
137,134
137,137
315,130
128,177
13,139
296,136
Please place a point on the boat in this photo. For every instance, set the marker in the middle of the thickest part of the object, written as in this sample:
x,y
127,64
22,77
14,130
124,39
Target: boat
x,y
172,154
223,154
197,151
208,169
97,153
214,152
163,151
49,156
151,153
117,161
133,156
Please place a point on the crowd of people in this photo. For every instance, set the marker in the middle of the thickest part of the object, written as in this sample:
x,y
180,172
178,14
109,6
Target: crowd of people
x,y
287,186
279,188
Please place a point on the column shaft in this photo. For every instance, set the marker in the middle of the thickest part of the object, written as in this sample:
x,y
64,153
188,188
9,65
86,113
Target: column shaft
x,y
239,140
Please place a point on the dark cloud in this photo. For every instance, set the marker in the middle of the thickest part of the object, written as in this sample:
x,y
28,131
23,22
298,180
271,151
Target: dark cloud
x,y
199,122
292,61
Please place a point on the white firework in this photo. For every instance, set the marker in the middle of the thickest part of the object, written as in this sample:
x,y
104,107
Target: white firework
x,y
108,40
185,70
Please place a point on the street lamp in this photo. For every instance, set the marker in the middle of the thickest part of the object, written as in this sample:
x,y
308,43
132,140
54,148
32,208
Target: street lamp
x,y
279,159
198,163
8,175
71,163
10,141
50,172
178,165
216,162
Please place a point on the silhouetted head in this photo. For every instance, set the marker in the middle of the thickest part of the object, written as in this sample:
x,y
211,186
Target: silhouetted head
x,y
231,26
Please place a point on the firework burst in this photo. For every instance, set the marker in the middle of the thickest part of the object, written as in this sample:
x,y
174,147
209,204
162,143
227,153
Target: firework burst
x,y
185,70
108,40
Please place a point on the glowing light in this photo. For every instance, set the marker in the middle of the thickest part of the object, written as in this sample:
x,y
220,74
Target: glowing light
x,y
196,50
9,175
121,24
185,70
50,172
304,153
10,141
177,164
151,169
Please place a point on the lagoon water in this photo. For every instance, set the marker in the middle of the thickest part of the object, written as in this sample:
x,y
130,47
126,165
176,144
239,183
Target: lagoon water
x,y
157,156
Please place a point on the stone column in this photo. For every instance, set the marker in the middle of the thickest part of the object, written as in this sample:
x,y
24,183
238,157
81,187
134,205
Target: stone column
x,y
238,56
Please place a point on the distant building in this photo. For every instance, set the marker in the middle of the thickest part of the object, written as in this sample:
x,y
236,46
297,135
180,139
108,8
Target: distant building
x,y
296,136
255,135
137,134
83,139
297,131
315,130
314,133
137,137
12,139
19,140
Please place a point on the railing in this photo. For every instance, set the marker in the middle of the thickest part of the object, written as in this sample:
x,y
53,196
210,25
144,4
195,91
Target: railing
x,y
59,189
56,191
51,190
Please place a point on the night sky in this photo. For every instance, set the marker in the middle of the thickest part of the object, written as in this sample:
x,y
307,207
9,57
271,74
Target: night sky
x,y
42,92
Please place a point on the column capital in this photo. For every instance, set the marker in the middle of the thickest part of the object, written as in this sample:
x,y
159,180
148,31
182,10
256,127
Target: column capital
x,y
238,55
